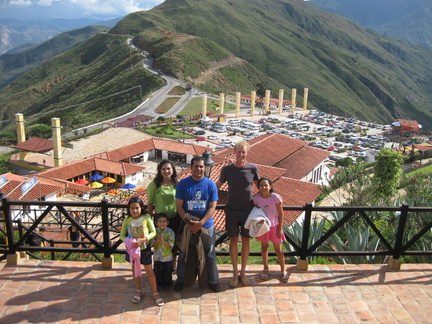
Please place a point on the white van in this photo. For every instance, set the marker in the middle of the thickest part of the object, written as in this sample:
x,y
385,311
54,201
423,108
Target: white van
x,y
234,122
254,127
327,131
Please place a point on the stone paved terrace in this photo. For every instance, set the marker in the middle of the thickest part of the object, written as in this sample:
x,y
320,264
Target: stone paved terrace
x,y
81,292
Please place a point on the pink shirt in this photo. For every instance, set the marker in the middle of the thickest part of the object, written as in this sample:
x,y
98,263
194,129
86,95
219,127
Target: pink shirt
x,y
269,205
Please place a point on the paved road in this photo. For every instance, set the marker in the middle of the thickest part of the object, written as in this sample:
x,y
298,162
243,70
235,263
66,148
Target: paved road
x,y
148,106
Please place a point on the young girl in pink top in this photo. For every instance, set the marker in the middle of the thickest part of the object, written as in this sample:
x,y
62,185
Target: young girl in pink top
x,y
271,204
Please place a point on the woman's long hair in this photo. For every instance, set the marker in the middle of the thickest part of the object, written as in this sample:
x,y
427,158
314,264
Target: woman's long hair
x,y
159,177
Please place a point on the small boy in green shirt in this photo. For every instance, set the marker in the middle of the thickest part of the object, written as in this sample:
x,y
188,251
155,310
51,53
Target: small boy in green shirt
x,y
162,244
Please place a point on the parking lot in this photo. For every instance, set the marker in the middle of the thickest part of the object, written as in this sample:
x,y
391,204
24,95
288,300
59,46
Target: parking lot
x,y
342,137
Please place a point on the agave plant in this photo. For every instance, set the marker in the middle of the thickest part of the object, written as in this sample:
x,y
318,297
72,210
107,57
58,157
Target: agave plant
x,y
294,234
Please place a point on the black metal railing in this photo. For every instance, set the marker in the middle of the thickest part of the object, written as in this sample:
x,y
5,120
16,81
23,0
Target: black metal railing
x,y
99,224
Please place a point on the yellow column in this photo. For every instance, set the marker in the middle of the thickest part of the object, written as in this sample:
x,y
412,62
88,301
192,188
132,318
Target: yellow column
x,y
238,99
267,102
305,98
204,106
222,105
222,102
253,98
19,118
281,94
58,159
293,99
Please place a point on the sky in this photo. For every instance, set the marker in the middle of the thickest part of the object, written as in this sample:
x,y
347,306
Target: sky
x,y
72,9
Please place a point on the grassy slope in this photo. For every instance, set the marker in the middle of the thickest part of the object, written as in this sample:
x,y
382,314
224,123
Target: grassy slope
x,y
282,44
352,70
100,67
14,65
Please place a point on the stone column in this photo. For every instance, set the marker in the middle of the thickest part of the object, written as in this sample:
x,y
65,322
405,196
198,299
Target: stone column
x,y
293,99
281,94
204,106
238,99
20,129
305,98
267,102
222,102
252,105
58,159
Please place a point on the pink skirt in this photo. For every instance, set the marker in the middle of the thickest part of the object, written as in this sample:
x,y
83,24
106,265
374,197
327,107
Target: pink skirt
x,y
271,236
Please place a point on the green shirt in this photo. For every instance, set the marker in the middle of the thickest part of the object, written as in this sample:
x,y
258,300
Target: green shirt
x,y
161,252
163,199
139,227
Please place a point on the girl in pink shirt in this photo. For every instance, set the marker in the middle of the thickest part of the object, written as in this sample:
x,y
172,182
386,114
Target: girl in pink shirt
x,y
271,204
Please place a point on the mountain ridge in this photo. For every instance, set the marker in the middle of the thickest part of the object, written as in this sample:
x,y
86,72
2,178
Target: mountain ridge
x,y
284,44
409,20
16,33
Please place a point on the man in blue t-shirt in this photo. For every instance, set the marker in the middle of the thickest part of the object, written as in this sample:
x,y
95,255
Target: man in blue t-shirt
x,y
197,195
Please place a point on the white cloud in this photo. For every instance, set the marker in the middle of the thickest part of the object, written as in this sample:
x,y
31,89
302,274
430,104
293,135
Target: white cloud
x,y
76,8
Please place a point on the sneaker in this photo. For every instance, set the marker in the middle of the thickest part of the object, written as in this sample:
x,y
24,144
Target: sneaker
x,y
215,287
179,286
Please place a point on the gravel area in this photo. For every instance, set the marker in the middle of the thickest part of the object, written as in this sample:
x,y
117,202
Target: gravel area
x,y
110,139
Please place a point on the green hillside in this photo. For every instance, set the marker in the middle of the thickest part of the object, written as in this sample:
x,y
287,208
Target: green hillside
x,y
14,65
410,20
96,69
228,46
348,69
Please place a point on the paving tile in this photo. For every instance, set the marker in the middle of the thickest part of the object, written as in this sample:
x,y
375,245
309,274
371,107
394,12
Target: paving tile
x,y
249,316
66,292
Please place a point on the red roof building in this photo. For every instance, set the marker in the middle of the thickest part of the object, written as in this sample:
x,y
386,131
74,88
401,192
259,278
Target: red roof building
x,y
406,127
36,144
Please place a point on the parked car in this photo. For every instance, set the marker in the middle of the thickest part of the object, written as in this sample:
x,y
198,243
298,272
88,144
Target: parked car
x,y
212,137
200,138
199,132
222,145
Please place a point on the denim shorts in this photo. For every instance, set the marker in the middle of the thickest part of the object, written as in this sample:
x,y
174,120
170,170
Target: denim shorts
x,y
146,256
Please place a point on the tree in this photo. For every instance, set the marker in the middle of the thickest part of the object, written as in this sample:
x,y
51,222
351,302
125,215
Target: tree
x,y
387,174
260,92
345,162
7,137
41,130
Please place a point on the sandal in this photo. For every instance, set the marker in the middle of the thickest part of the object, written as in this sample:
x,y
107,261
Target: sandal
x,y
233,283
285,277
159,301
137,297
264,274
245,281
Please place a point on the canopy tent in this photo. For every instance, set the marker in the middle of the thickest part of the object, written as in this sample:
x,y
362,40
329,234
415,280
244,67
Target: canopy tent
x,y
96,177
82,181
96,185
128,186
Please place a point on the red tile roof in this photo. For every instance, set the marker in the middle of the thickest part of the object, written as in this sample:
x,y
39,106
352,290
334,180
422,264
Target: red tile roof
x,y
294,192
12,188
408,123
140,147
35,144
280,151
303,161
75,169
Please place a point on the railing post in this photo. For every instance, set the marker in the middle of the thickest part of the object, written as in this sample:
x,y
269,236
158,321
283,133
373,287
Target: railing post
x,y
395,262
13,257
108,259
302,262
51,242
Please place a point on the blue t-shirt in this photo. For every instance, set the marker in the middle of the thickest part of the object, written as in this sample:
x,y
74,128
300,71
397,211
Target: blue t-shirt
x,y
196,196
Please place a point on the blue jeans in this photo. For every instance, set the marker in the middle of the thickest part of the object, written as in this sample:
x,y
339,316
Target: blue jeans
x,y
208,241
